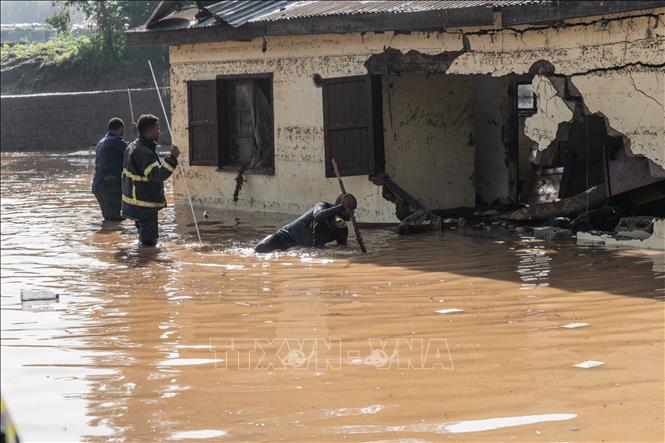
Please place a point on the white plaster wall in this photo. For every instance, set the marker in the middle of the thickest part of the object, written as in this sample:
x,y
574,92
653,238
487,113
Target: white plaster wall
x,y
299,171
299,179
637,98
428,142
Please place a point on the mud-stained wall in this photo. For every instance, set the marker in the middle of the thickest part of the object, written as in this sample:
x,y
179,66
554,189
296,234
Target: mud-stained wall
x,y
616,62
428,140
493,123
592,50
299,179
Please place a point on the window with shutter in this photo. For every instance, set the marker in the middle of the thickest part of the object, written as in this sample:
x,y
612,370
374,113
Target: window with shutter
x,y
347,123
203,123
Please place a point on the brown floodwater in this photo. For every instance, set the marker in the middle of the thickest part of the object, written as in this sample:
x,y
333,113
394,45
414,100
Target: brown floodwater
x,y
428,337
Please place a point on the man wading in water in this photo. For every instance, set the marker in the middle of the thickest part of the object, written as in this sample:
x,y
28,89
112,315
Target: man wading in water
x,y
320,225
106,183
143,177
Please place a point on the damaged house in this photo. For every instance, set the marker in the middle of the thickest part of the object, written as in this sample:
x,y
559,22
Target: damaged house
x,y
430,105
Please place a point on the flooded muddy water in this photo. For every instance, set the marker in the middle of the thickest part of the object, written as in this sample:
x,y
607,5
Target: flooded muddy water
x,y
428,337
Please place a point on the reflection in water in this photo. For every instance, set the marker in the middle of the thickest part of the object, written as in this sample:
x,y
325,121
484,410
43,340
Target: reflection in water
x,y
461,426
134,350
534,265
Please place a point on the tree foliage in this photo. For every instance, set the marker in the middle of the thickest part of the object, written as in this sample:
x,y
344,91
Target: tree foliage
x,y
111,18
60,21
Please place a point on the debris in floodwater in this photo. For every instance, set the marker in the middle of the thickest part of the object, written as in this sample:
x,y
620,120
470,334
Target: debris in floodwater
x,y
587,364
575,325
189,361
449,311
35,295
551,233
200,434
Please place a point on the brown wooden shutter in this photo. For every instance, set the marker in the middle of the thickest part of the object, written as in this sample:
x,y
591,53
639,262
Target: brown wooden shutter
x,y
347,123
203,130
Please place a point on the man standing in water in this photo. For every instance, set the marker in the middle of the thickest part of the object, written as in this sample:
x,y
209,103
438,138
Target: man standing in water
x,y
106,183
143,179
322,224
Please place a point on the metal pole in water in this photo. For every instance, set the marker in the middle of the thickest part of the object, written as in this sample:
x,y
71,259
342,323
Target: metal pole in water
x,y
182,169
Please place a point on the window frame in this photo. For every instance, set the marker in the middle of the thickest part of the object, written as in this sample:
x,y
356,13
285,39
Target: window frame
x,y
223,122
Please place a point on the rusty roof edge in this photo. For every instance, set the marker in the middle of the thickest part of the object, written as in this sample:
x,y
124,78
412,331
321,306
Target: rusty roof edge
x,y
385,22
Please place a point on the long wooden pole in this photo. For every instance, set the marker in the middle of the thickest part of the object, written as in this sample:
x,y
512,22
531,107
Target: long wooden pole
x,y
131,108
182,169
359,237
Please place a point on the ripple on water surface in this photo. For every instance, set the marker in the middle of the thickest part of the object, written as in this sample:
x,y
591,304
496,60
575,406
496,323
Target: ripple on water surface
x,y
426,335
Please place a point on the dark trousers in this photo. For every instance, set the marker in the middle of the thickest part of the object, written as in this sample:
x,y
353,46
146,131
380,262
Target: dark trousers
x,y
146,222
148,227
279,241
110,204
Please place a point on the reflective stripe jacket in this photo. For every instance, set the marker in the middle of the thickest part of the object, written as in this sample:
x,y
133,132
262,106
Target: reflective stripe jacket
x,y
143,175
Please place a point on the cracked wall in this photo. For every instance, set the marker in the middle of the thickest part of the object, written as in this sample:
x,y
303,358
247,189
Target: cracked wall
x,y
600,54
552,110
636,97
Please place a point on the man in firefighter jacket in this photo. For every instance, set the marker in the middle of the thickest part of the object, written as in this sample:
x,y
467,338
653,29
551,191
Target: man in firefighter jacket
x,y
143,177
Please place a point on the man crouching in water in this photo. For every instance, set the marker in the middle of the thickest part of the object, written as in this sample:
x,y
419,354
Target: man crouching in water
x,y
322,224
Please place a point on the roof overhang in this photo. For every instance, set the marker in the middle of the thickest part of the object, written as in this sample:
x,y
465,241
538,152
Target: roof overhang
x,y
543,13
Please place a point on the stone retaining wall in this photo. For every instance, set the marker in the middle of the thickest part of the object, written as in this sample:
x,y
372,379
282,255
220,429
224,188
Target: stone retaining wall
x,y
72,121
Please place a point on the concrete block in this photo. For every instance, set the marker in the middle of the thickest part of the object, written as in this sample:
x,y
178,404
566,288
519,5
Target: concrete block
x,y
551,233
637,228
655,241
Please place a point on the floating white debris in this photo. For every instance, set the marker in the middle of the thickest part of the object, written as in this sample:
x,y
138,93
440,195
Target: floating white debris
x,y
458,427
201,434
449,311
587,364
575,325
33,295
189,361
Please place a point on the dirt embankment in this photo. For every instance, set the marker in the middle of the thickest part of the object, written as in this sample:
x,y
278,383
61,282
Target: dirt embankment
x,y
33,76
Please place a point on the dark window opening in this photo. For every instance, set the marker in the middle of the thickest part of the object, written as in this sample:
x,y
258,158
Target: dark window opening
x,y
247,121
526,99
231,123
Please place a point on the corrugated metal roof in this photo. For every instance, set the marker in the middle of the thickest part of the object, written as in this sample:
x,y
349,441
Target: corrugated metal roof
x,y
238,12
180,15
304,9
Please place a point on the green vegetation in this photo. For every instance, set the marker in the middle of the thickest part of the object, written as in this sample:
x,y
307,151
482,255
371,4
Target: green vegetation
x,y
58,50
102,50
